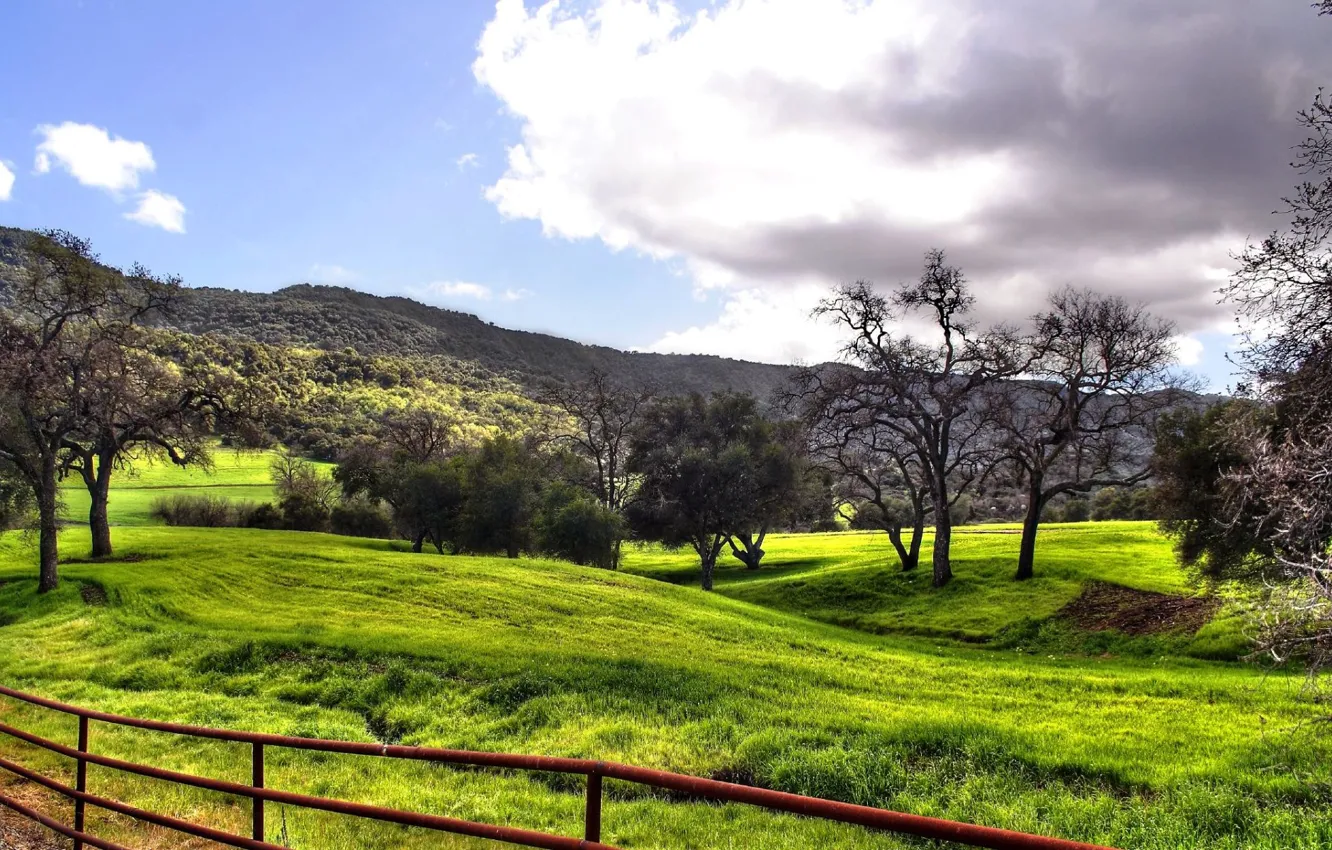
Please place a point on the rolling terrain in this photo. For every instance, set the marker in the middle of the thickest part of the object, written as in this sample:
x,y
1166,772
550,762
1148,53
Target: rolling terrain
x,y
985,702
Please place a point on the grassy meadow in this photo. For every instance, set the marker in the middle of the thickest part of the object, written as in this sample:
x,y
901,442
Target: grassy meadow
x,y
827,672
239,476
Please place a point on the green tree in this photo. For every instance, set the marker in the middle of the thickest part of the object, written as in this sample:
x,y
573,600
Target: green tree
x,y
503,481
705,467
576,527
1192,463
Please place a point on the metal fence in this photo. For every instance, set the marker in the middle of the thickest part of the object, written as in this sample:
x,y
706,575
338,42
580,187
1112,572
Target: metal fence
x,y
595,771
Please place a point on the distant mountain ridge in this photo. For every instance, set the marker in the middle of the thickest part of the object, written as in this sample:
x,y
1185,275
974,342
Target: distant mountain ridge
x,y
336,317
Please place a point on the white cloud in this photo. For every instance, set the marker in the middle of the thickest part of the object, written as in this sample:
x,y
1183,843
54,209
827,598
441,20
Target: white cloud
x,y
762,325
775,147
6,180
93,156
515,294
331,273
1188,349
157,209
467,160
459,289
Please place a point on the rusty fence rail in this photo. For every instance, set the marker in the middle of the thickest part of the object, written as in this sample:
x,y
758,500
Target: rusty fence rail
x,y
925,827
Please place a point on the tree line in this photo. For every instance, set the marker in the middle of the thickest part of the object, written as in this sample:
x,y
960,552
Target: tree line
x,y
903,433
899,436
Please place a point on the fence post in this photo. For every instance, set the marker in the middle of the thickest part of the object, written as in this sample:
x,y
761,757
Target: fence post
x,y
80,779
592,830
257,780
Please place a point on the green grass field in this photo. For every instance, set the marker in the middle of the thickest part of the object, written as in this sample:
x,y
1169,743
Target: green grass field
x,y
827,672
240,476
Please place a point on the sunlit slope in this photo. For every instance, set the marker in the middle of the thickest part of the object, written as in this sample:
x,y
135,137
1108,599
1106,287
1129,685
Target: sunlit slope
x,y
313,634
855,579
236,475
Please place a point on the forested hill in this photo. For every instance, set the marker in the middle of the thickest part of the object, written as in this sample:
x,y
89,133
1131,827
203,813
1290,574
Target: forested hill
x,y
334,318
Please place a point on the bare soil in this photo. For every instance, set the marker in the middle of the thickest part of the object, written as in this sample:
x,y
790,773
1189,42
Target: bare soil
x,y
19,833
93,594
1103,607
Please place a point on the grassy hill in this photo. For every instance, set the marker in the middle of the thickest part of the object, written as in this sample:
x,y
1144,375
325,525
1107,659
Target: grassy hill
x,y
338,637
853,579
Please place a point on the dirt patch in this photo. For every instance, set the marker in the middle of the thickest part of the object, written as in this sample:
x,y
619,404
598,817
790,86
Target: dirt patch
x,y
131,558
93,594
19,833
1102,607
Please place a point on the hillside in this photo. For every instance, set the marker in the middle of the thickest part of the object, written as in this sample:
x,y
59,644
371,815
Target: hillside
x,y
333,318
337,637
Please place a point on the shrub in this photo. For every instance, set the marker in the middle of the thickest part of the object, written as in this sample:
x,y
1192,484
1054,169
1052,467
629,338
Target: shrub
x,y
576,528
300,512
200,511
1077,510
264,516
360,517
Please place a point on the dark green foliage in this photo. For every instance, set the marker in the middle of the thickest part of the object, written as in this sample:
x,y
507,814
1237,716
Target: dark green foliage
x,y
16,500
503,479
712,471
427,501
573,526
1122,503
1194,454
360,517
266,516
1076,509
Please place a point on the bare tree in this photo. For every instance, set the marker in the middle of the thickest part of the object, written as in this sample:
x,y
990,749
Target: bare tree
x,y
875,465
928,393
68,310
1287,485
1099,378
421,434
1281,491
135,402
600,417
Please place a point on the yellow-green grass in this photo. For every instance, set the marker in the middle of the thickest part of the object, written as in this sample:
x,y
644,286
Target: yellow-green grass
x,y
854,579
235,475
336,637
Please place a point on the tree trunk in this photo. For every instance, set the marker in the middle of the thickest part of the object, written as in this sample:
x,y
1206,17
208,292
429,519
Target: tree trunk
x,y
943,536
98,523
707,556
752,552
1030,525
917,536
418,542
907,558
615,556
709,562
48,575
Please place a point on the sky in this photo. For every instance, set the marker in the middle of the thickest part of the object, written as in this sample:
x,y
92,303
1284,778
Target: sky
x,y
683,177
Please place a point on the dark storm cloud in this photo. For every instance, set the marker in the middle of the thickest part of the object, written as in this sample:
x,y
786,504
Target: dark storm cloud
x,y
1143,125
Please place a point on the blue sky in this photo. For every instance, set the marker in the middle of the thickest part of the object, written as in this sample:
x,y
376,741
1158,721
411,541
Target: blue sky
x,y
687,178
303,137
